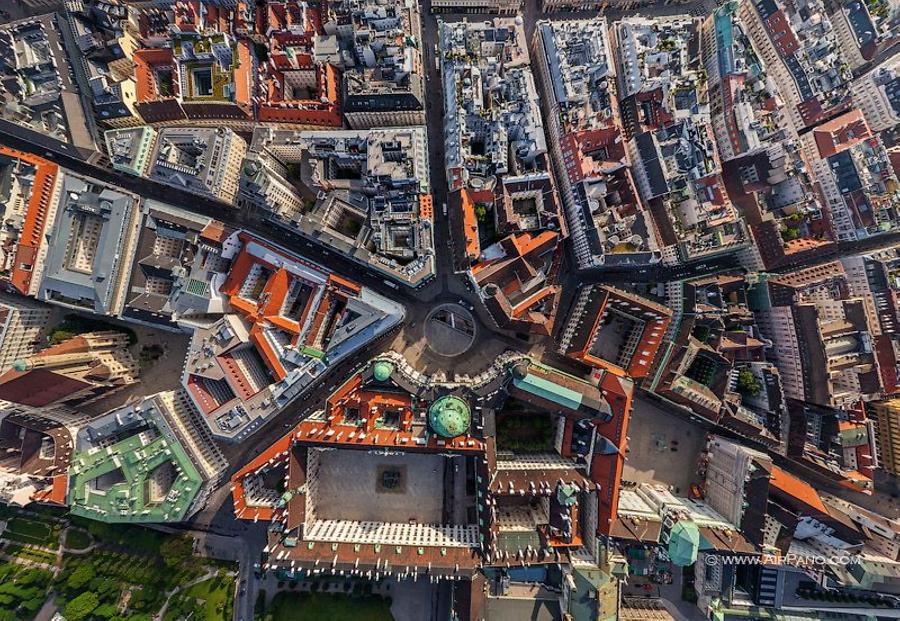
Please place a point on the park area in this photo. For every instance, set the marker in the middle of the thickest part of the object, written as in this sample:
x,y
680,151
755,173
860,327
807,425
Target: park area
x,y
91,571
208,600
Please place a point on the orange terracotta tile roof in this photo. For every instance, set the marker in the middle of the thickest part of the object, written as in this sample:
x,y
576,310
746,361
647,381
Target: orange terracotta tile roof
x,y
56,493
791,486
841,133
35,217
274,454
243,75
426,206
320,433
470,225
145,61
606,470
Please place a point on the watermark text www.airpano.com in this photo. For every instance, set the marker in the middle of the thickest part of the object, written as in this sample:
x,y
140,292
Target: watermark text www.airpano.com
x,y
802,560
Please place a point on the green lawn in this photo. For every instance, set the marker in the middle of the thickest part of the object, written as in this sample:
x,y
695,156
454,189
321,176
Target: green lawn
x,y
318,606
210,600
216,594
77,539
25,530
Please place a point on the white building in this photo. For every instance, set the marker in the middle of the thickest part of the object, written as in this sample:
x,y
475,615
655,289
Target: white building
x,y
877,95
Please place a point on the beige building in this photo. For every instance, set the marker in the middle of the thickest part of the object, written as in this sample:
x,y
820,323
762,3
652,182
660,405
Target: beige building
x,y
887,434
728,471
22,323
873,93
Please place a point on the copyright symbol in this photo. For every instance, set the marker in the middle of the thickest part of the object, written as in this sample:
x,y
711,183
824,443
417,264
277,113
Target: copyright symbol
x,y
710,560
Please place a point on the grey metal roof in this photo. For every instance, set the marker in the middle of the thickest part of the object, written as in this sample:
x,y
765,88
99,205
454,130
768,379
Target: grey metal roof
x,y
84,200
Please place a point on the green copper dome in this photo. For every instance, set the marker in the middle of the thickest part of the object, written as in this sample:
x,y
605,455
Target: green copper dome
x,y
684,543
449,416
383,370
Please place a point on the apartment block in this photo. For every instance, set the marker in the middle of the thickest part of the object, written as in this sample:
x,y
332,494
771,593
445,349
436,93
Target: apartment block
x,y
23,323
365,193
90,246
813,86
577,74
200,160
30,196
823,344
378,47
886,415
266,324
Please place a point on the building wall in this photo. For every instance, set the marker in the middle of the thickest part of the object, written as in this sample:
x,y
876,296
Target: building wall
x,y
871,99
887,434
847,39
777,325
858,281
504,7
228,169
400,118
21,326
770,57
729,465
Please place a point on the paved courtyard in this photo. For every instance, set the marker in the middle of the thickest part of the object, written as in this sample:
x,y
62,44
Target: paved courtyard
x,y
350,482
652,432
449,330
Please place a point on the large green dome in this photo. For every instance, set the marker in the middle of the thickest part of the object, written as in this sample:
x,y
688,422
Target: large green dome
x,y
383,370
684,543
449,416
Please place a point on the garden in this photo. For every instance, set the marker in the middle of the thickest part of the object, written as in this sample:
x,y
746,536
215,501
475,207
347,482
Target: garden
x,y
22,591
127,577
209,600
524,432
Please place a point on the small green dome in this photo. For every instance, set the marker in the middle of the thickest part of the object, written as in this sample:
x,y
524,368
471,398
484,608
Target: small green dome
x,y
20,365
566,494
449,416
383,370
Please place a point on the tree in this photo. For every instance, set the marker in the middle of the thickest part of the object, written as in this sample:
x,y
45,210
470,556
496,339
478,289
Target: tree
x,y
106,611
747,384
177,551
32,576
80,577
33,605
82,606
790,234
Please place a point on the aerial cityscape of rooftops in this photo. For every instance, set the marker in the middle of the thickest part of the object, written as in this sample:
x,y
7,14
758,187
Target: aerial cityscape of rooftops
x,y
474,310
